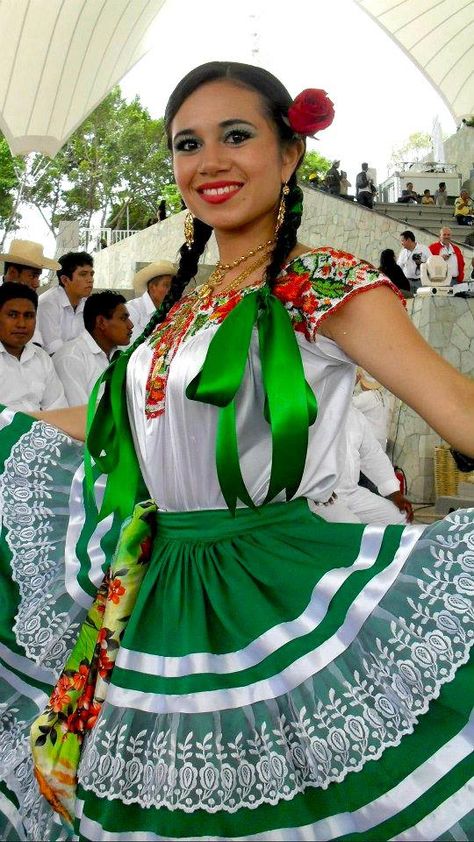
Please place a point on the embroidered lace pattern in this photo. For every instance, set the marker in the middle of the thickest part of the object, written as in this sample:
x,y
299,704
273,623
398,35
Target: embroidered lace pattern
x,y
362,703
45,632
310,287
16,769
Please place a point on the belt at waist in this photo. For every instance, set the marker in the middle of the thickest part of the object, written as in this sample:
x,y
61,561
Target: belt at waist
x,y
218,524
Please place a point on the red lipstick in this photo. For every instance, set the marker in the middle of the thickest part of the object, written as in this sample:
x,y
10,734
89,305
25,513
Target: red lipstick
x,y
217,192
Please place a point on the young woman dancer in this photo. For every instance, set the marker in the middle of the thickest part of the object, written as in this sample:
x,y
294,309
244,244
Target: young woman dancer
x,y
246,670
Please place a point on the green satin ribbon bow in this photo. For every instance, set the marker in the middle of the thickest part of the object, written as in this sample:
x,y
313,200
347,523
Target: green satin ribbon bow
x,y
290,405
110,445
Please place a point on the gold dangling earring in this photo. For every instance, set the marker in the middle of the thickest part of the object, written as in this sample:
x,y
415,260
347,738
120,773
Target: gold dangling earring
x,y
282,208
189,229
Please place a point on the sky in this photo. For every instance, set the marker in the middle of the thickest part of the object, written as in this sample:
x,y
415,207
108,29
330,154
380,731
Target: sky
x,y
380,96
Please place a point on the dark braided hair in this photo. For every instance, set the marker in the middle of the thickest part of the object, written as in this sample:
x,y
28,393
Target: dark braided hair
x,y
275,100
288,234
188,265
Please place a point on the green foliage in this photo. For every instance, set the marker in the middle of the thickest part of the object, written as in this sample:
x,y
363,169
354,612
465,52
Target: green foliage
x,y
415,148
313,163
10,176
141,211
118,158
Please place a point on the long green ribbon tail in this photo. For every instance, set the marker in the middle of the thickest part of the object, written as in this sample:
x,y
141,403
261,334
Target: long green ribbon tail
x,y
109,444
290,408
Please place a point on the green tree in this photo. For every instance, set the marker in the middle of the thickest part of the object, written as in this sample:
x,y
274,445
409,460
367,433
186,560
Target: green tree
x,y
417,146
313,164
11,182
116,161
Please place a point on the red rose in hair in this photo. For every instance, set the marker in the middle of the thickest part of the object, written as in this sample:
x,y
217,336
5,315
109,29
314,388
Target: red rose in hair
x,y
311,111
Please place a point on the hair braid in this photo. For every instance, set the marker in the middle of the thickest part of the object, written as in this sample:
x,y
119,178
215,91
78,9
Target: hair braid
x,y
188,265
288,233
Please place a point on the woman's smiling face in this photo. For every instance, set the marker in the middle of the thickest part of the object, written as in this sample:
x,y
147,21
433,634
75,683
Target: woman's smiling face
x,y
228,161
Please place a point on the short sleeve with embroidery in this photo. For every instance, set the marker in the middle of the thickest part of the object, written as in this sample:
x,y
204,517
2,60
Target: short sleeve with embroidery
x,y
319,282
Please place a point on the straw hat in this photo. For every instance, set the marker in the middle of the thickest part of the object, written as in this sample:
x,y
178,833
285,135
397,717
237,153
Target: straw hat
x,y
27,253
153,270
367,381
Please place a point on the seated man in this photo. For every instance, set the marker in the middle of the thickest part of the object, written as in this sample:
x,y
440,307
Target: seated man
x,y
80,362
27,376
464,209
151,284
427,198
60,309
375,403
354,504
409,196
23,263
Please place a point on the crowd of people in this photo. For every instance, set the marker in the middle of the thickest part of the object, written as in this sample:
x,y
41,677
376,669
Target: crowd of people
x,y
417,264
187,649
56,345
463,208
336,183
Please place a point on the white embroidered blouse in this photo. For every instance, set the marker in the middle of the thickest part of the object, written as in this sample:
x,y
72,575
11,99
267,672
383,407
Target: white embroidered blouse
x,y
175,436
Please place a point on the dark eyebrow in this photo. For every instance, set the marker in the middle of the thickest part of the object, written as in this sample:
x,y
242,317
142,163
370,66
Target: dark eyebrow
x,y
224,125
227,123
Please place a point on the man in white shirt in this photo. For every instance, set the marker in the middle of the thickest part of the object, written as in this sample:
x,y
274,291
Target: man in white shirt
x,y
60,309
451,253
354,504
80,362
28,380
374,402
23,263
411,257
152,284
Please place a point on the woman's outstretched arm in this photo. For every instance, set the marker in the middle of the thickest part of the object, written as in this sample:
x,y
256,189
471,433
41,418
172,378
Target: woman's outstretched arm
x,y
71,421
375,331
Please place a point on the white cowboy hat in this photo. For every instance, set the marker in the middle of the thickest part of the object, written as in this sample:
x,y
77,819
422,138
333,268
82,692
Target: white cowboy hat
x,y
366,380
27,253
153,270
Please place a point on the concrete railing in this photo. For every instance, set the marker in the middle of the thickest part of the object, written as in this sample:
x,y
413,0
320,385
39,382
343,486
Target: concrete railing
x,y
96,239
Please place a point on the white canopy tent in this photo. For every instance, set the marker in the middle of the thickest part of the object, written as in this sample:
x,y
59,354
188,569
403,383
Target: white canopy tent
x,y
60,58
438,35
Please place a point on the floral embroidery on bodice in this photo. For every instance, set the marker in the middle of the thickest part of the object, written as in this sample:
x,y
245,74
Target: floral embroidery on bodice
x,y
310,286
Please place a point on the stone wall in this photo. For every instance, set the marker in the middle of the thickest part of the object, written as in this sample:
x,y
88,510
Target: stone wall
x,y
459,150
448,326
327,220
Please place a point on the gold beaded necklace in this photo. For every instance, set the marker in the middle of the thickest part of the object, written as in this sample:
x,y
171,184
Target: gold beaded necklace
x,y
209,287
222,268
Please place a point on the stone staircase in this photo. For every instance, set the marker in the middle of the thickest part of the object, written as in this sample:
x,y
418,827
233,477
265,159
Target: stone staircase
x,y
426,217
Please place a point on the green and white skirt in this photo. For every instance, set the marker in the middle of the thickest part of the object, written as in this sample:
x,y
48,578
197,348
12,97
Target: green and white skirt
x,y
279,677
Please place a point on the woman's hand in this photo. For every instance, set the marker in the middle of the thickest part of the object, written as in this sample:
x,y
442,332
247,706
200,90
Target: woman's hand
x,y
71,421
375,331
